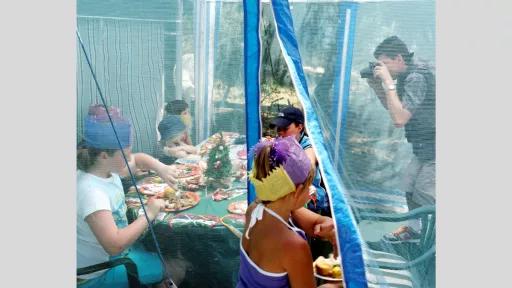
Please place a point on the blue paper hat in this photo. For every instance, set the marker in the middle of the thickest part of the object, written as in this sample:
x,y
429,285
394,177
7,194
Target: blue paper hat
x,y
170,127
99,133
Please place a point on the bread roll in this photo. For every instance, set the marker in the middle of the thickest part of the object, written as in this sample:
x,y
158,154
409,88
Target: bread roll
x,y
323,267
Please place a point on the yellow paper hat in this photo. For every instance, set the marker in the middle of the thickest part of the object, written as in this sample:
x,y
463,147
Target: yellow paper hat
x,y
290,167
274,186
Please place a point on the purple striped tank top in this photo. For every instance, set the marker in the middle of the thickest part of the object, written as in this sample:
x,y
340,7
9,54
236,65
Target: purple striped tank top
x,y
252,276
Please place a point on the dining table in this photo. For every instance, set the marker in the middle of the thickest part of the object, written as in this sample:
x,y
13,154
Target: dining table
x,y
200,242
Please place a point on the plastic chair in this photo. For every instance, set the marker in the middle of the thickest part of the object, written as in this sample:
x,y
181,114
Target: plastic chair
x,y
131,270
387,269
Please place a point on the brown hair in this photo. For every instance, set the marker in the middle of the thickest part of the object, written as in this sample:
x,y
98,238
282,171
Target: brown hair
x,y
262,163
86,156
392,47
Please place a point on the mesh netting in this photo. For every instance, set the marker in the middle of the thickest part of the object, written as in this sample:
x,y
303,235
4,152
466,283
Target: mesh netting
x,y
146,55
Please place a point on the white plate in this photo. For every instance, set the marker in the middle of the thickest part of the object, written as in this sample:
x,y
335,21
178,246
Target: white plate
x,y
328,278
190,159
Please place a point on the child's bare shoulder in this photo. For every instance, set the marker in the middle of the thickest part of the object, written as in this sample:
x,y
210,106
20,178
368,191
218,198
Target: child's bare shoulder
x,y
294,241
295,251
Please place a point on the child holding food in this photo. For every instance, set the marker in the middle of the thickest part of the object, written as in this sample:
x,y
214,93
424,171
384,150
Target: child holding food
x,y
181,109
102,227
274,251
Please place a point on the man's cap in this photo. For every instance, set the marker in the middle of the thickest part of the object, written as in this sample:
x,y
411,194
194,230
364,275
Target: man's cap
x,y
287,116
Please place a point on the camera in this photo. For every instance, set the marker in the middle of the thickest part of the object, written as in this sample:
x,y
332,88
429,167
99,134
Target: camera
x,y
368,71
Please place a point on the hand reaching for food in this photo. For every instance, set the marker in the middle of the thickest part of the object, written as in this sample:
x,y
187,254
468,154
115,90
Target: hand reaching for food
x,y
168,175
326,231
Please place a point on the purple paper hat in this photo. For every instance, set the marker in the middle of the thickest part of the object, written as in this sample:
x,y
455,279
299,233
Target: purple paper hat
x,y
287,152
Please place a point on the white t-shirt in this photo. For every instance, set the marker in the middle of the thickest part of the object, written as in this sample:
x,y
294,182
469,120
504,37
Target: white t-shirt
x,y
93,194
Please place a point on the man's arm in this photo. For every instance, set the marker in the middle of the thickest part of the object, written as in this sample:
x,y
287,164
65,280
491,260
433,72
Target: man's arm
x,y
376,85
400,113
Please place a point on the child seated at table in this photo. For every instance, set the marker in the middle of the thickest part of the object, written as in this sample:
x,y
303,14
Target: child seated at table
x,y
180,108
172,145
103,232
274,251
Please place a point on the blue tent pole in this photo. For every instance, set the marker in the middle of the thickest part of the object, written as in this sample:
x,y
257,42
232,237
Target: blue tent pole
x,y
346,34
252,54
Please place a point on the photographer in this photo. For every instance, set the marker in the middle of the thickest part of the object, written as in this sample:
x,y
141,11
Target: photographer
x,y
407,90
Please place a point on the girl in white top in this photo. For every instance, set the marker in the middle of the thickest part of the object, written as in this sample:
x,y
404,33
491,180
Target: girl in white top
x,y
102,227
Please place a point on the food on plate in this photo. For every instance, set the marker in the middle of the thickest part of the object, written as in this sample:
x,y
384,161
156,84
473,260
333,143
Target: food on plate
x,y
323,268
191,183
188,187
181,201
187,170
176,200
153,189
242,154
238,207
220,194
328,267
169,192
240,174
229,139
336,272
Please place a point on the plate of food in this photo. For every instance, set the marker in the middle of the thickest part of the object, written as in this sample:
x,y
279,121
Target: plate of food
x,y
191,183
238,207
221,194
174,200
187,170
328,269
150,189
242,154
180,201
212,141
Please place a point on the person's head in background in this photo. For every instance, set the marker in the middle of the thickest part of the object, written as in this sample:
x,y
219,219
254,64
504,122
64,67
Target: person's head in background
x,y
289,122
393,52
180,108
281,161
99,152
172,130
